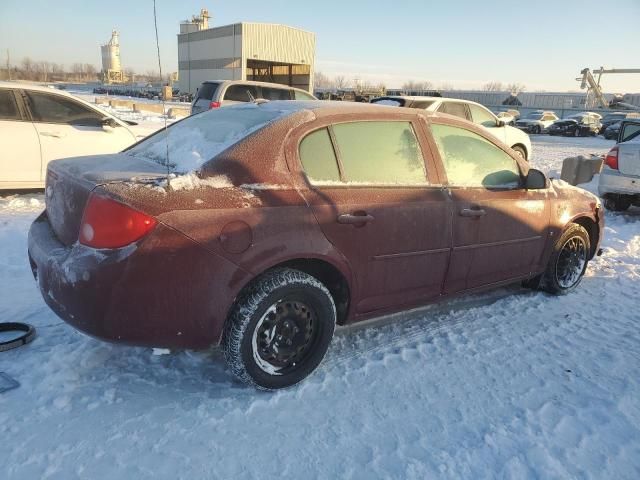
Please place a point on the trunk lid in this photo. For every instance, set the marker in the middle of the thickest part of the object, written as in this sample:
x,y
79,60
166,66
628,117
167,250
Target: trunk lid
x,y
70,182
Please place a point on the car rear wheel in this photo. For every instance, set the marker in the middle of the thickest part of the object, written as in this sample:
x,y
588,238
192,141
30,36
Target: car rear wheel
x,y
617,203
280,329
568,261
538,129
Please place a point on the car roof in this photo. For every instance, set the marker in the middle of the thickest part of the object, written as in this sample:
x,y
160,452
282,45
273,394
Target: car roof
x,y
36,88
422,98
329,107
252,82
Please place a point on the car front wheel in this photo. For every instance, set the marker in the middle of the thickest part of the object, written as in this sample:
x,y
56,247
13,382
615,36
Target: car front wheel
x,y
280,329
568,261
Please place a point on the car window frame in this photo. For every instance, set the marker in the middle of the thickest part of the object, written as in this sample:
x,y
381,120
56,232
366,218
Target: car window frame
x,y
523,169
433,179
72,100
17,96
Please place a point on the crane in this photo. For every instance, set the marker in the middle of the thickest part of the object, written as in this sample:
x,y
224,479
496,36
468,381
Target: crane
x,y
593,87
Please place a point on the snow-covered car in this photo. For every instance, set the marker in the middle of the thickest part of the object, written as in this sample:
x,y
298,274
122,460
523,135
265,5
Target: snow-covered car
x,y
579,125
471,111
39,124
619,183
509,117
221,93
537,122
280,219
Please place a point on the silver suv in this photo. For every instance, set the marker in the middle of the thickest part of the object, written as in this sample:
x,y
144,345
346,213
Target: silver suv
x,y
220,93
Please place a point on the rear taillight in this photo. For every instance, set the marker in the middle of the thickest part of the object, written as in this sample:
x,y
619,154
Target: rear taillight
x,y
214,105
110,224
611,160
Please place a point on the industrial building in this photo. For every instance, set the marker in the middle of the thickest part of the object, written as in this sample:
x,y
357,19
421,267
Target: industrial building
x,y
244,51
111,66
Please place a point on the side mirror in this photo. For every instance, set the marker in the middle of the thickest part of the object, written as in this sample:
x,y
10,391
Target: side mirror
x,y
536,180
108,123
500,123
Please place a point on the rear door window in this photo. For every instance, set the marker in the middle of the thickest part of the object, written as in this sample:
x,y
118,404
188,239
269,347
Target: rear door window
x,y
241,93
454,108
379,152
472,161
207,91
48,108
8,106
318,157
269,93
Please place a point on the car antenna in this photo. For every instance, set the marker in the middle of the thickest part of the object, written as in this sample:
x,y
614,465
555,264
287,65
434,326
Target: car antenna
x,y
164,108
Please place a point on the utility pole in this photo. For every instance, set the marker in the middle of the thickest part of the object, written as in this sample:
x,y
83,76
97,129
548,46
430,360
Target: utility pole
x,y
8,65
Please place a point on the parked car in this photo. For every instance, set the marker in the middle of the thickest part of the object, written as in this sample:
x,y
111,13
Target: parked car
x,y
619,183
616,117
314,214
39,124
612,131
537,122
222,93
580,125
509,117
467,110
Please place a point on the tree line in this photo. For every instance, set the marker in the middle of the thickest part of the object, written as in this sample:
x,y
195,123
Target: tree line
x,y
46,71
340,82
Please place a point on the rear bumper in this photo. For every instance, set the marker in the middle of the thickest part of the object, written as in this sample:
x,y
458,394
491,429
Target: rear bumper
x,y
174,294
612,181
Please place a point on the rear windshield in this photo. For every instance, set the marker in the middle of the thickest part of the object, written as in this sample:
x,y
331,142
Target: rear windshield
x,y
207,90
197,139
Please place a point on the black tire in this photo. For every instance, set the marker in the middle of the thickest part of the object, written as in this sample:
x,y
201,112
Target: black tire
x,y
293,307
617,203
538,129
568,262
520,151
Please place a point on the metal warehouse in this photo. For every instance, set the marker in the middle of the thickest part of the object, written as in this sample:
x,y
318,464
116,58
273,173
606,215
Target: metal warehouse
x,y
244,51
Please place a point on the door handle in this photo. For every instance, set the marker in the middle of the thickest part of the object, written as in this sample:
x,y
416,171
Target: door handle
x,y
354,219
472,212
51,134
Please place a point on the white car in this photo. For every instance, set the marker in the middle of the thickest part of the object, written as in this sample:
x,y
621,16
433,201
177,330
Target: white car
x,y
474,112
537,122
220,93
619,183
39,124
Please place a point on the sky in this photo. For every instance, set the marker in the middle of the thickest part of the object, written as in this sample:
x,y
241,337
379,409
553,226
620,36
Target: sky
x,y
463,43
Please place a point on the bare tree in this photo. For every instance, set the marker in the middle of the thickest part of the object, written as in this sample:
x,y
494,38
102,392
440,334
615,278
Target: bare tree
x,y
516,88
493,86
341,82
322,81
446,86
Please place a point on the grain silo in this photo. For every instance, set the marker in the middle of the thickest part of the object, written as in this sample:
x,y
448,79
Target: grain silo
x,y
111,66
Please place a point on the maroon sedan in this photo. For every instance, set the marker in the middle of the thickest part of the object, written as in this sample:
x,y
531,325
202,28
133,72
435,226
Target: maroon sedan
x,y
261,227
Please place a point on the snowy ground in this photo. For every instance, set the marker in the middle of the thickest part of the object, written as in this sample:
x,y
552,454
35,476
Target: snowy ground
x,y
510,384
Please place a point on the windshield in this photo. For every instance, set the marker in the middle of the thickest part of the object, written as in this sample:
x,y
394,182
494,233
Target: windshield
x,y
197,139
